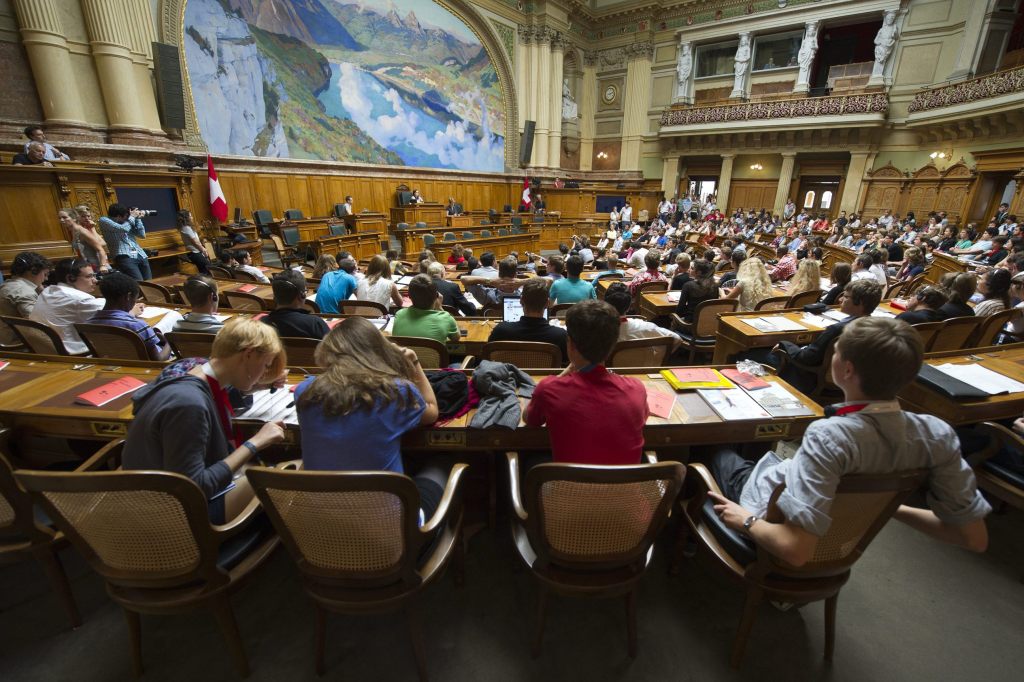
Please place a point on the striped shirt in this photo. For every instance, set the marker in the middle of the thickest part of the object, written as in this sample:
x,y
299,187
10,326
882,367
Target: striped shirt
x,y
125,320
120,237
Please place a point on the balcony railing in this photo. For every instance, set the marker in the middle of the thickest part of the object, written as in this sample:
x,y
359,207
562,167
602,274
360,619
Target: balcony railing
x,y
871,103
983,87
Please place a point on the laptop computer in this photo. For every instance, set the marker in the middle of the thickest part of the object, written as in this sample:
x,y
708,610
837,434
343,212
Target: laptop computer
x,y
512,309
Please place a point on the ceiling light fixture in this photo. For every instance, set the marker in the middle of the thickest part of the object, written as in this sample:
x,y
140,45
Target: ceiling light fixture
x,y
756,166
602,155
938,155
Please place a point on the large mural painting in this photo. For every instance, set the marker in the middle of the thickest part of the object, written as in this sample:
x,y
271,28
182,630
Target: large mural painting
x,y
378,81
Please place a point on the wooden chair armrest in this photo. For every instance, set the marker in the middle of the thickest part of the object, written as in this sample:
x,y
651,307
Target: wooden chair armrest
x,y
513,477
651,456
107,453
467,362
290,465
240,522
1000,436
451,489
704,483
679,324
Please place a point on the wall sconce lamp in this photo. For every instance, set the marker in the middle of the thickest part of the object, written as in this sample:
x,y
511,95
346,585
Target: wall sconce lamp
x,y
756,167
602,155
938,155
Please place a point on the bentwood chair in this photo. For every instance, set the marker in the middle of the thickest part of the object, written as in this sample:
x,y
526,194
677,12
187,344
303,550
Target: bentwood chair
x,y
362,308
818,377
524,354
301,352
927,331
220,271
863,505
285,253
243,276
26,532
642,352
589,531
955,334
772,303
108,341
996,478
38,337
357,542
798,301
698,336
148,535
239,300
432,354
990,327
191,344
156,294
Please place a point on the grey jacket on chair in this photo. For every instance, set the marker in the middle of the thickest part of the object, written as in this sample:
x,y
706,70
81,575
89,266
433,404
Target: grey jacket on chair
x,y
499,385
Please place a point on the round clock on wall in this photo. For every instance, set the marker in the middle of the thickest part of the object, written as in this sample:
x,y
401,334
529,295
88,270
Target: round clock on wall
x,y
611,93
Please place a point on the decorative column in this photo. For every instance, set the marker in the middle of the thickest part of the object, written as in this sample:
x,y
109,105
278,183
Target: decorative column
x,y
724,181
109,33
684,73
805,58
971,43
670,174
588,106
524,75
785,180
885,43
141,38
741,68
43,37
854,181
542,86
555,101
636,103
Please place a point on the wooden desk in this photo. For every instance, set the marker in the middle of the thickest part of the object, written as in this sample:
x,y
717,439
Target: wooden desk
x,y
38,398
941,264
430,213
309,228
460,221
1007,360
500,245
177,281
360,244
366,222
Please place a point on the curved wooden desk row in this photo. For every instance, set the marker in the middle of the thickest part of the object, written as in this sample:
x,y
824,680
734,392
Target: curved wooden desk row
x,y
37,396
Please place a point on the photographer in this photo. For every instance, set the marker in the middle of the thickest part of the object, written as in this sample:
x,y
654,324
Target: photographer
x,y
120,229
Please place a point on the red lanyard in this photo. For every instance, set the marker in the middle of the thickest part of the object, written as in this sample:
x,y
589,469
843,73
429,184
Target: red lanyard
x,y
850,409
224,409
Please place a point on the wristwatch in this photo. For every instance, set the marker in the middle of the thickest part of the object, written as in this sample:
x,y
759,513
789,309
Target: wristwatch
x,y
748,523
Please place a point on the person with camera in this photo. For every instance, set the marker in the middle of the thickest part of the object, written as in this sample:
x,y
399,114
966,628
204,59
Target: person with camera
x,y
121,227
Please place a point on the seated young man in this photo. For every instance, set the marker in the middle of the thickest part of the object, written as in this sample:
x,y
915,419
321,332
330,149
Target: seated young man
x,y
532,326
244,260
571,288
492,290
121,294
860,298
451,293
786,267
867,434
201,292
632,328
592,415
291,317
425,318
336,286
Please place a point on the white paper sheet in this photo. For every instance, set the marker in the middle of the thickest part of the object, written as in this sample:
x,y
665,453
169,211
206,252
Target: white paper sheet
x,y
276,406
982,378
774,324
673,296
882,313
835,315
151,311
733,404
167,322
816,321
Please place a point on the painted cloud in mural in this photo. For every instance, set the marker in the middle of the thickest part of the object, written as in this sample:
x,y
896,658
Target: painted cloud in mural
x,y
401,83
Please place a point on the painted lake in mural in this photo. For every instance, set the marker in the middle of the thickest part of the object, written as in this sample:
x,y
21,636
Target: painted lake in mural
x,y
401,83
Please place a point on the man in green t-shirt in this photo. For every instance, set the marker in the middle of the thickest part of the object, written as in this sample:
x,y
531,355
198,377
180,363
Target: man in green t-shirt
x,y
572,289
425,319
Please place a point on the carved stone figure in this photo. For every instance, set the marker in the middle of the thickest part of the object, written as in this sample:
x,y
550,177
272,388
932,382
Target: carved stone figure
x,y
570,110
808,48
684,70
885,41
741,67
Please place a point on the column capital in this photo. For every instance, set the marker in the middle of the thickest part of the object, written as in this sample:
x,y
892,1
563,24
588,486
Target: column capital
x,y
590,57
727,157
788,155
644,50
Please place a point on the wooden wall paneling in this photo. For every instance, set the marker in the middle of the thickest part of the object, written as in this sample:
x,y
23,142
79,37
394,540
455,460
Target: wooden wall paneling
x,y
320,202
752,193
263,192
28,211
885,187
1017,204
280,191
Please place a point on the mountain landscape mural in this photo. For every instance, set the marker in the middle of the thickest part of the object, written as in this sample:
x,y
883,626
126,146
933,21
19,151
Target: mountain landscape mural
x,y
400,82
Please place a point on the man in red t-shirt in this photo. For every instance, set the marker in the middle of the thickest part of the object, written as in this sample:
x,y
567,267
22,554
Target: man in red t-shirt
x,y
592,415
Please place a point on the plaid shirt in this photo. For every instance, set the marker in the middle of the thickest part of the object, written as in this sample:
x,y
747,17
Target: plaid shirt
x,y
643,278
125,320
120,237
785,268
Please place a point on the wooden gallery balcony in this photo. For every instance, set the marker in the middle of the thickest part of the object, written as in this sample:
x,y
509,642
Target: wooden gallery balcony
x,y
983,106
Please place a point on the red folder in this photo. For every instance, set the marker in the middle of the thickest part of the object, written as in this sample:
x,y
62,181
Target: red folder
x,y
246,288
102,395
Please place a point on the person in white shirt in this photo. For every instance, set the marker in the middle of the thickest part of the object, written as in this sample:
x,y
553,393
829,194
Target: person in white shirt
x,y
377,285
878,268
626,216
613,218
862,268
486,268
68,299
637,259
633,329
886,219
244,260
346,208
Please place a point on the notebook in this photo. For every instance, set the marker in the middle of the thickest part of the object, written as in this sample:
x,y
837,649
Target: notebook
x,y
100,396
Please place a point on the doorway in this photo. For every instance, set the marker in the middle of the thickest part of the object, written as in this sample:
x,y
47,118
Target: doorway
x,y
819,194
993,189
703,186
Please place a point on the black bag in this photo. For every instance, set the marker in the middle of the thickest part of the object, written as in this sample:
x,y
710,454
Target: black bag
x,y
815,308
451,390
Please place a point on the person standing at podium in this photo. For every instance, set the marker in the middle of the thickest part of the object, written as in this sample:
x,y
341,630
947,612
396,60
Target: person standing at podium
x,y
453,208
346,208
415,198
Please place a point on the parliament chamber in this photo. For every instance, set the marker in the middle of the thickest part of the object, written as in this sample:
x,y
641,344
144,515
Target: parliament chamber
x,y
481,339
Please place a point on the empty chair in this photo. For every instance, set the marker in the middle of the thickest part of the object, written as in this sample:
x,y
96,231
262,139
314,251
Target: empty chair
x,y
772,303
290,236
954,334
293,214
588,531
641,352
485,221
432,354
449,237
39,338
239,300
108,341
362,308
698,336
468,235
862,506
651,287
300,352
927,331
502,232
155,293
190,344
402,226
263,218
485,233
337,229
428,240
803,298
420,224
357,541
148,535
532,354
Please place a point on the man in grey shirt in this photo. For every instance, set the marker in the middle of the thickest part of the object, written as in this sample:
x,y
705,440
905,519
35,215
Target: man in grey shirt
x,y
868,434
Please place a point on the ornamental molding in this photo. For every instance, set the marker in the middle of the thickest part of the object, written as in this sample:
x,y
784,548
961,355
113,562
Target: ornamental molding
x,y
644,50
876,103
993,85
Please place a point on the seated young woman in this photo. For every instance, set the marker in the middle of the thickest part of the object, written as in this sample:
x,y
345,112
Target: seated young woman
x,y
183,423
354,414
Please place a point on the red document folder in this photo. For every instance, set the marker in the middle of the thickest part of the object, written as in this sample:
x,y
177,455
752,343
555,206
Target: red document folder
x,y
102,395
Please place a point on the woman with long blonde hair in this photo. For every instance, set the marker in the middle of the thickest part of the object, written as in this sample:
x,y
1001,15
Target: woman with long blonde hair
x,y
377,285
807,278
753,284
182,421
85,239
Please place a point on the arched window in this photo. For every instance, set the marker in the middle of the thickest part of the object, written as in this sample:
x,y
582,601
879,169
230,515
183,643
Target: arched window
x,y
809,199
826,199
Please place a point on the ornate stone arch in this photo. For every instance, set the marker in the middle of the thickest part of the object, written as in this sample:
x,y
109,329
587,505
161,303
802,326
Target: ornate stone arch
x,y
172,29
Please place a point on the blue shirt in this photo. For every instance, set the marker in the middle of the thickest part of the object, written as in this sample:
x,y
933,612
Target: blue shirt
x,y
120,237
569,290
125,320
363,440
335,286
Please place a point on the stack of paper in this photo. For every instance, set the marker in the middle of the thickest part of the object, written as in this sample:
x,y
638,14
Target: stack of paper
x,y
774,324
816,321
882,313
982,378
673,296
733,404
779,402
835,315
689,378
151,311
269,407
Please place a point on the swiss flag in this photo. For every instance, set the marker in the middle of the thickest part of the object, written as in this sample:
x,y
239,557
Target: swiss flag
x,y
525,202
218,204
